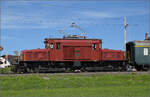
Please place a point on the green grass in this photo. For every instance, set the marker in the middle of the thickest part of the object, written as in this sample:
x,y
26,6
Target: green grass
x,y
5,70
106,85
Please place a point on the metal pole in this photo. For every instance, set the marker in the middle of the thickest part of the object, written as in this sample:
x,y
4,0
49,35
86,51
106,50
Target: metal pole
x,y
0,28
125,26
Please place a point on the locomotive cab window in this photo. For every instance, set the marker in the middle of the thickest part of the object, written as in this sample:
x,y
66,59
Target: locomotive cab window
x,y
100,45
57,46
46,45
94,46
51,45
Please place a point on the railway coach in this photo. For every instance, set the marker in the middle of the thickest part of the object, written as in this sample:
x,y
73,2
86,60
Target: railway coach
x,y
138,54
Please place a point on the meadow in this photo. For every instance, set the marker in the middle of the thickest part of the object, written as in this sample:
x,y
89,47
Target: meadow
x,y
59,85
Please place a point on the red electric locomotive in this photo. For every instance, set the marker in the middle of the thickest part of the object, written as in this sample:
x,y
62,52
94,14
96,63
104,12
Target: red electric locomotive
x,y
69,54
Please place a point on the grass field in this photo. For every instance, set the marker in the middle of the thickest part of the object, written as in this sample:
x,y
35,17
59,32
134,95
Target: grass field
x,y
102,85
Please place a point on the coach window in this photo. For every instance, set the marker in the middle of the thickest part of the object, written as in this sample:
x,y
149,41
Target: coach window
x,y
1,62
51,46
94,46
145,51
57,46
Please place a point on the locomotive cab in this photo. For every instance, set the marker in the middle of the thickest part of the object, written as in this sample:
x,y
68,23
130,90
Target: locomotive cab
x,y
73,48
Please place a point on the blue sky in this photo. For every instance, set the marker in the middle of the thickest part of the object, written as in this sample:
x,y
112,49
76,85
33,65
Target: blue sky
x,y
25,24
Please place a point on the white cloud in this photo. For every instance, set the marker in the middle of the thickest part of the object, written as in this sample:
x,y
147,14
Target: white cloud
x,y
23,21
114,13
97,14
16,3
16,20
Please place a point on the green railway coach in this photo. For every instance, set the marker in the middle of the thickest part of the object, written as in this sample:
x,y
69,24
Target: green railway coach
x,y
138,54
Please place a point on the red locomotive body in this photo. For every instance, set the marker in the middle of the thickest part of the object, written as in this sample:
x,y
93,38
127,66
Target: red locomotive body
x,y
71,54
112,55
63,54
36,55
113,59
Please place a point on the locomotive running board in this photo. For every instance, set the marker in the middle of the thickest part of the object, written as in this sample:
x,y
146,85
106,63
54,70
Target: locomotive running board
x,y
99,68
52,70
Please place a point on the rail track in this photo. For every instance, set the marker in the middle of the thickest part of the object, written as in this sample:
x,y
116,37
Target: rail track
x,y
81,73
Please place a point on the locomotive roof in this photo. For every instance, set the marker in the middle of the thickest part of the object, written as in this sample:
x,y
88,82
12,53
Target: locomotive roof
x,y
69,39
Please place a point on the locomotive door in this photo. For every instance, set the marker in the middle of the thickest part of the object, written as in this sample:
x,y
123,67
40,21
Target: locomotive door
x,y
68,52
76,53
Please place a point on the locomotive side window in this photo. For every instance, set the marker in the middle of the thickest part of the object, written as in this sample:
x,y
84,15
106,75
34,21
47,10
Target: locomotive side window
x,y
57,46
94,46
51,46
100,45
